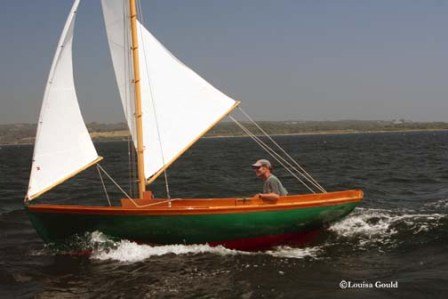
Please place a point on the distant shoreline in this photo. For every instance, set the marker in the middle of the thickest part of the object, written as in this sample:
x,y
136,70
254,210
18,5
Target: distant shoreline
x,y
116,136
339,132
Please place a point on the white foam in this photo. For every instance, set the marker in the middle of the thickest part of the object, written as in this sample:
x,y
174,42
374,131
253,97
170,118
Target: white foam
x,y
128,251
98,238
39,252
376,225
295,252
441,204
360,224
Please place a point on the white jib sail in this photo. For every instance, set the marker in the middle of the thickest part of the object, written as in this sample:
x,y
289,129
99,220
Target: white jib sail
x,y
178,106
63,146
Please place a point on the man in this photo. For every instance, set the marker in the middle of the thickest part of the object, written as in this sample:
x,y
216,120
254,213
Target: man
x,y
272,188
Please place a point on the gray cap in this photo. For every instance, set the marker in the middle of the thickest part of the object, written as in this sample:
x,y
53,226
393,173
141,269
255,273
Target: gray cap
x,y
262,162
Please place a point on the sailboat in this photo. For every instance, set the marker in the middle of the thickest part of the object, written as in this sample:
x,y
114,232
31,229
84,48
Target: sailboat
x,y
168,107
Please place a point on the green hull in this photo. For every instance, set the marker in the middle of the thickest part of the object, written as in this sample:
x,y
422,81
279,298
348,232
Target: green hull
x,y
187,229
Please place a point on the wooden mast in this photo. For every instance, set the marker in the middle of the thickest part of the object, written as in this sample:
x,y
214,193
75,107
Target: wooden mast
x,y
138,101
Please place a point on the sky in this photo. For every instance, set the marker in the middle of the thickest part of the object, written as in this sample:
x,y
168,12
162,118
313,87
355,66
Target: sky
x,y
285,60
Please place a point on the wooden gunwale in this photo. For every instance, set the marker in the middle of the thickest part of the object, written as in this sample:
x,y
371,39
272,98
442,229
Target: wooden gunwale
x,y
210,206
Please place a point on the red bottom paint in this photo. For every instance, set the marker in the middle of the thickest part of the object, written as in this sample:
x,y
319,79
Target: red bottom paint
x,y
266,242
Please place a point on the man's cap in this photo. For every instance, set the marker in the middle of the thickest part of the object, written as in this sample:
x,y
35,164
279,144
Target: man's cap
x,y
262,162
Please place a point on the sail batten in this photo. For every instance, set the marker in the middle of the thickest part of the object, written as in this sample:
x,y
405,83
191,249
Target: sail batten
x,y
178,105
63,146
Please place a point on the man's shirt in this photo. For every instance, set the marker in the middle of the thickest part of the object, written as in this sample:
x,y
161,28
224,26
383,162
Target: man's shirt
x,y
273,185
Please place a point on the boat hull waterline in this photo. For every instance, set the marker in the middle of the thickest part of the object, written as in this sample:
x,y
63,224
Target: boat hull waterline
x,y
232,222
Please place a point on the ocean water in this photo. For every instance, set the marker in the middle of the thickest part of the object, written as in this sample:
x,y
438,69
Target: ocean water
x,y
398,234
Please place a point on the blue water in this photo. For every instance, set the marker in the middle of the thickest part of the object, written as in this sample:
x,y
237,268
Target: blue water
x,y
399,233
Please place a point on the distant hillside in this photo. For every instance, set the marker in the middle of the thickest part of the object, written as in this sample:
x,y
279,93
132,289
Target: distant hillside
x,y
24,133
327,127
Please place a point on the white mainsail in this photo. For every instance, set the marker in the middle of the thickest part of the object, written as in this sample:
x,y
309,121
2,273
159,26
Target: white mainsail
x,y
63,146
116,17
178,106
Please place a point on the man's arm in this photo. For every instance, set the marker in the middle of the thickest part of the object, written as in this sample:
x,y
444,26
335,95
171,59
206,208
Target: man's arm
x,y
268,196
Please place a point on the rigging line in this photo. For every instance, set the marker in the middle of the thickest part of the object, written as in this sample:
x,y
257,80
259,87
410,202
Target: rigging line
x,y
127,91
130,198
284,152
131,169
104,186
169,201
281,160
270,152
141,17
167,187
312,182
113,181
